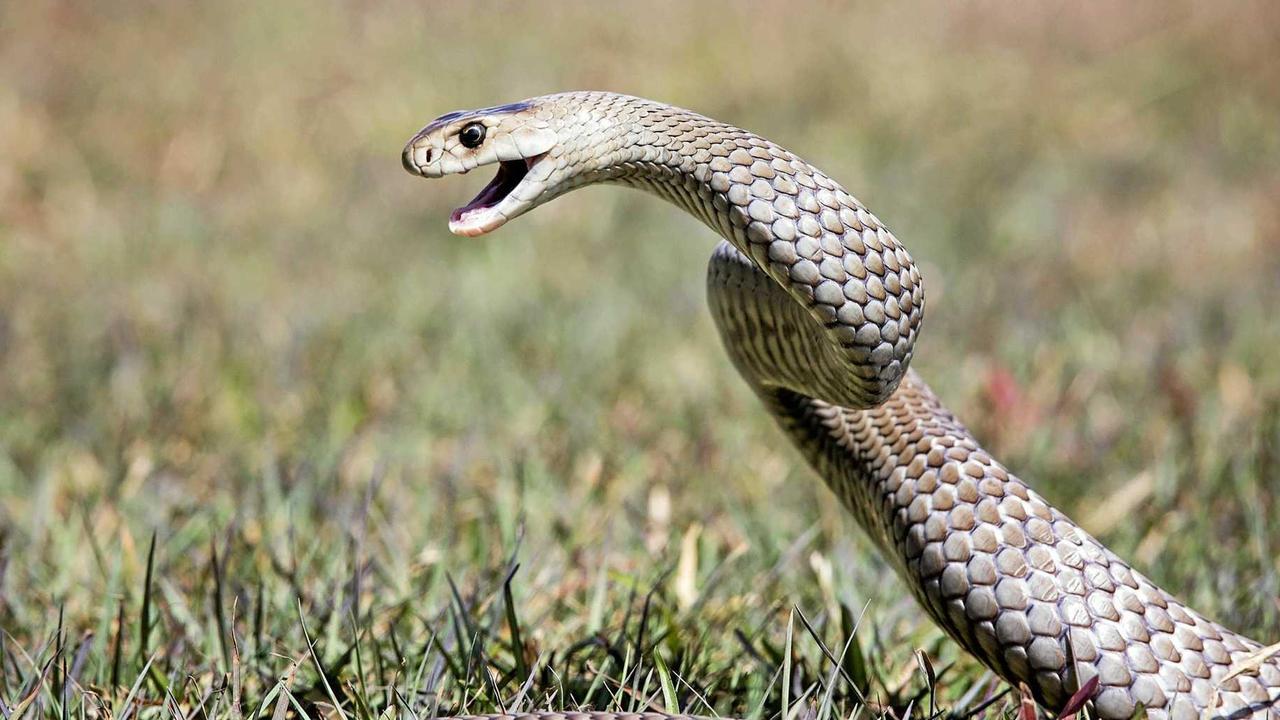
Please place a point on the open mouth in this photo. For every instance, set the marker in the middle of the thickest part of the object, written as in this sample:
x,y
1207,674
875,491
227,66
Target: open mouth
x,y
481,215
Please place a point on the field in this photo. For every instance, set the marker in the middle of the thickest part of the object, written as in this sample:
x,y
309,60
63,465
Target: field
x,y
274,444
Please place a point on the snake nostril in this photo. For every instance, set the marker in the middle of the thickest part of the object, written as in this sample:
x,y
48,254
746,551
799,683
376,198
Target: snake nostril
x,y
410,159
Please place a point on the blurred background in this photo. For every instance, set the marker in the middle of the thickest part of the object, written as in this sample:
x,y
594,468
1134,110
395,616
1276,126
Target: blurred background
x,y
230,321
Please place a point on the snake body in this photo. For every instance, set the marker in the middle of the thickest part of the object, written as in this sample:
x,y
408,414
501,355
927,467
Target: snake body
x,y
819,307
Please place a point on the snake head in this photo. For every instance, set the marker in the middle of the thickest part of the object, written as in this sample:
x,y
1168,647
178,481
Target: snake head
x,y
516,138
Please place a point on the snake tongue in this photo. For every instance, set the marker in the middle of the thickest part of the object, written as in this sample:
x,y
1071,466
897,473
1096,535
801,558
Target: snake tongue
x,y
477,216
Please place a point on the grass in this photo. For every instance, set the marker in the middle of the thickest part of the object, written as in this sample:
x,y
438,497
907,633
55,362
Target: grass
x,y
275,445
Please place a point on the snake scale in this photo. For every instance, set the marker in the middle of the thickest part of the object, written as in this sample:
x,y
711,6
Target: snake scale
x,y
819,307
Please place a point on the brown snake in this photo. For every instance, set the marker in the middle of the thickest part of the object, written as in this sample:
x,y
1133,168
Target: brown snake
x,y
819,307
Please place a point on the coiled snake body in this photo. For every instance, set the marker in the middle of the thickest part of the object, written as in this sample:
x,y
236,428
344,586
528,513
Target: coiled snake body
x,y
819,306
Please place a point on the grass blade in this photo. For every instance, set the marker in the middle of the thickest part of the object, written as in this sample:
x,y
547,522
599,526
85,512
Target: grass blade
x,y
315,658
144,621
668,688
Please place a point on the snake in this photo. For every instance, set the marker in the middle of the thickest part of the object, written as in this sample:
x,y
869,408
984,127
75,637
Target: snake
x,y
819,307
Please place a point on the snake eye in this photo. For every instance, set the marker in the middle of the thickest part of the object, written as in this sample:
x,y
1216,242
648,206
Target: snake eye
x,y
472,135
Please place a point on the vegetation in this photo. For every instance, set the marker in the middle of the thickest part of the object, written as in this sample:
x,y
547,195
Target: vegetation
x,y
274,444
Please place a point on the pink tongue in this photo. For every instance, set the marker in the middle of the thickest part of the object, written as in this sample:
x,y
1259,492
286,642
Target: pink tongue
x,y
457,215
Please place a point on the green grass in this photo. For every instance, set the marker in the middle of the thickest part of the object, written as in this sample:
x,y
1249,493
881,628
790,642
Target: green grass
x,y
386,471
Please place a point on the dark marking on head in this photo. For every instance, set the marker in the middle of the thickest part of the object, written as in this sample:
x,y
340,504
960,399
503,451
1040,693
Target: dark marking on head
x,y
514,107
457,115
449,116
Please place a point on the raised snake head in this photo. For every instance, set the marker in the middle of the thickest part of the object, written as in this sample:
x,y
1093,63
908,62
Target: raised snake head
x,y
544,147
523,139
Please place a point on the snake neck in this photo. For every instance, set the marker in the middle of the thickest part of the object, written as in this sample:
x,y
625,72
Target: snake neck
x,y
811,236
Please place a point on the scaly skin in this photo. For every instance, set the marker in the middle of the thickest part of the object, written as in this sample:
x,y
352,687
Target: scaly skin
x,y
819,307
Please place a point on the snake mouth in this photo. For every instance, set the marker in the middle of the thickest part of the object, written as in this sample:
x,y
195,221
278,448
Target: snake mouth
x,y
494,205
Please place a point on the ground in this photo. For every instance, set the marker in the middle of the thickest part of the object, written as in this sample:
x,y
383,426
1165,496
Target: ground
x,y
254,394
